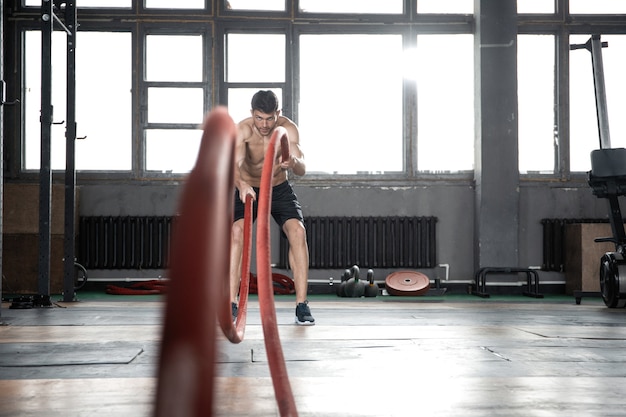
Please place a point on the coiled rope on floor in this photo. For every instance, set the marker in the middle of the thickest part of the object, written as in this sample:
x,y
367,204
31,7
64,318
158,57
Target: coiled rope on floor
x,y
199,292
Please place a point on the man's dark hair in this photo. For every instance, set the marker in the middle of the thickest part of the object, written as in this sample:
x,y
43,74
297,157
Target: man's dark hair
x,y
265,101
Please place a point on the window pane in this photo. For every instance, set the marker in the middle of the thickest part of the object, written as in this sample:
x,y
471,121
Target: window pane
x,y
103,101
239,101
535,6
175,105
351,119
247,57
448,6
32,100
445,86
597,7
172,150
535,92
174,58
266,5
583,117
90,3
351,6
178,4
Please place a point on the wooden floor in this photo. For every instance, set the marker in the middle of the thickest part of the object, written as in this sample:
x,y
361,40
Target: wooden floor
x,y
387,356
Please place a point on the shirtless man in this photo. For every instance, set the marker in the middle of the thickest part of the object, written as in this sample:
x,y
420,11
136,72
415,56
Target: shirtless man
x,y
252,141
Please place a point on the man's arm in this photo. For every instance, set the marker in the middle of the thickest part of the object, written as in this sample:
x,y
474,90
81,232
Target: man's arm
x,y
296,158
244,131
240,151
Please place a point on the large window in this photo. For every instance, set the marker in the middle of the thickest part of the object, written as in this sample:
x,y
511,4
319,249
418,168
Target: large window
x,y
156,4
179,4
536,115
350,108
448,6
90,3
176,101
535,6
379,89
597,7
266,5
444,71
250,68
351,6
247,58
103,101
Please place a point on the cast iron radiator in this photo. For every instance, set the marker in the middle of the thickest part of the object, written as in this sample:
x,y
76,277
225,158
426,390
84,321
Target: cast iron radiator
x,y
130,242
554,241
371,242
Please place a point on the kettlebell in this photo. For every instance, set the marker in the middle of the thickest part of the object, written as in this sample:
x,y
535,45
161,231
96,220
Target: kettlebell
x,y
371,289
341,288
354,287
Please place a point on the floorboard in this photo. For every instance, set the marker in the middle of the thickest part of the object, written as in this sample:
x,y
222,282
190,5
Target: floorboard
x,y
385,356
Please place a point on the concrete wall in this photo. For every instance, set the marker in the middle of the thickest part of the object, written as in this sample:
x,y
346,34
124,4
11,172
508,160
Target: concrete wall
x,y
451,203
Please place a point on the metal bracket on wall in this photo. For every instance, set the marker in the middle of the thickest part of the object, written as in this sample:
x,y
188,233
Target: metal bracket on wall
x,y
3,94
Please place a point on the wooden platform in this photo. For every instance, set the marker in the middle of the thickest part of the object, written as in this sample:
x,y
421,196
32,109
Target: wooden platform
x,y
388,356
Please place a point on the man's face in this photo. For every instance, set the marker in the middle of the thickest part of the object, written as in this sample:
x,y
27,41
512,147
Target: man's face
x,y
265,122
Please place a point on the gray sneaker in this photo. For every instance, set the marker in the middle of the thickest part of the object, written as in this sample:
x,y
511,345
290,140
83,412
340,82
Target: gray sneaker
x,y
234,309
303,315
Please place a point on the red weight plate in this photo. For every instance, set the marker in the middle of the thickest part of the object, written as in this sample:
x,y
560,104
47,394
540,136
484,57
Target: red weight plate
x,y
407,283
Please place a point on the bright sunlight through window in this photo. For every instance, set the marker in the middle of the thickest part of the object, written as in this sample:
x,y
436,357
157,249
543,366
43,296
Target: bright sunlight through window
x,y
103,101
350,113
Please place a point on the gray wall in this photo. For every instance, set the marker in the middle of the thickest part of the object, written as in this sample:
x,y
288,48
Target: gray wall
x,y
451,203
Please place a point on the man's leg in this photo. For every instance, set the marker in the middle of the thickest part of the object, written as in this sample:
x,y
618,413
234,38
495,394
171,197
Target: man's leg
x,y
299,262
298,257
236,249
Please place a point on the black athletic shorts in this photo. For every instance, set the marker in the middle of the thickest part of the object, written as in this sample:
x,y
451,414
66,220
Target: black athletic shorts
x,y
285,204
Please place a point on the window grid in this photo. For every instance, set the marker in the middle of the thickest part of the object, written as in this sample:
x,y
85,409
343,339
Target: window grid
x,y
218,14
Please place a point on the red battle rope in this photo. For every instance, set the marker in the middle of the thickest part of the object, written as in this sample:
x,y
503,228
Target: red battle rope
x,y
199,271
278,369
235,332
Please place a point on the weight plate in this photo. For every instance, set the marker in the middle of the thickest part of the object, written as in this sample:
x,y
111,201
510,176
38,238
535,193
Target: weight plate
x,y
407,283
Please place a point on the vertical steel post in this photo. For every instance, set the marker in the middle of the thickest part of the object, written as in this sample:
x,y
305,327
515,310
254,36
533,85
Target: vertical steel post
x,y
1,137
70,155
598,82
45,171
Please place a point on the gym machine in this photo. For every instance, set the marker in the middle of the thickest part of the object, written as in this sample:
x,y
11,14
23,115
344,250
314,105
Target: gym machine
x,y
607,179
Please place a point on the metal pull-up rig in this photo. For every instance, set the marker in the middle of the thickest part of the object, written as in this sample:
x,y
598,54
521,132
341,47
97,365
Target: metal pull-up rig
x,y
60,13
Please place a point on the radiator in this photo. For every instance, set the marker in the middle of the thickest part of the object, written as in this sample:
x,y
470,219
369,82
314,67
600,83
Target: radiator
x,y
130,242
372,242
554,244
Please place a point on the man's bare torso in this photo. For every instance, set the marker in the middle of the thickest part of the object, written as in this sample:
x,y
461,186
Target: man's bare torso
x,y
255,146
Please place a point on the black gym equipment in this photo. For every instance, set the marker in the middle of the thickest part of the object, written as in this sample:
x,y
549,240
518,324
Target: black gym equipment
x,y
371,288
607,179
353,287
63,14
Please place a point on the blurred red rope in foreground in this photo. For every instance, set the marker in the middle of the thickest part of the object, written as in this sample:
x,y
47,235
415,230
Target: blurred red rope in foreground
x,y
199,293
